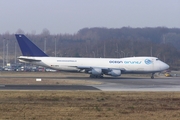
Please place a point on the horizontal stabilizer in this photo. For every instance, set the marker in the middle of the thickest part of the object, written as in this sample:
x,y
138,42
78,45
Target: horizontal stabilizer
x,y
28,60
28,48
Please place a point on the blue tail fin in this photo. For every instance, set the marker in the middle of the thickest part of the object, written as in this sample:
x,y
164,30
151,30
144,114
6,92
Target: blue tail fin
x,y
27,47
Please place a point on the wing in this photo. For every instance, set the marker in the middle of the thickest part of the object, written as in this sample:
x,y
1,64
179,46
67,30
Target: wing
x,y
105,70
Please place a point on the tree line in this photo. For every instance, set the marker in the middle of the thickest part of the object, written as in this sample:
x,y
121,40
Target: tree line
x,y
97,42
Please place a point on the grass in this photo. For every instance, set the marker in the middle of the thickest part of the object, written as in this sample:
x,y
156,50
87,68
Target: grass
x,y
86,105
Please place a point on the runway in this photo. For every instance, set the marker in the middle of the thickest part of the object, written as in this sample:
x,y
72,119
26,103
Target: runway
x,y
141,84
109,84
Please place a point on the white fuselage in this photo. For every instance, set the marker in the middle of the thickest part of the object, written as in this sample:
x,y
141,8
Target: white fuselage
x,y
128,65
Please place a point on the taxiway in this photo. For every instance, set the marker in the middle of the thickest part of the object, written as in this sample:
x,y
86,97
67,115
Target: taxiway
x,y
107,84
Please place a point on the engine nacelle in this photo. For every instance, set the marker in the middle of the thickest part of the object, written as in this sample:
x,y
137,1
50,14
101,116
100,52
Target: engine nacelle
x,y
115,73
96,71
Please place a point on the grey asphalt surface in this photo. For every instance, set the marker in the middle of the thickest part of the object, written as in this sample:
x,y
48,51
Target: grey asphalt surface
x,y
46,87
109,84
140,84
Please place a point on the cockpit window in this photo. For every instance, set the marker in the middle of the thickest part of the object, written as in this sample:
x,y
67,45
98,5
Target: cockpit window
x,y
157,59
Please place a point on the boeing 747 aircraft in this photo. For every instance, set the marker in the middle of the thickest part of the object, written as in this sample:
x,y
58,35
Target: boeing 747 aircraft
x,y
96,67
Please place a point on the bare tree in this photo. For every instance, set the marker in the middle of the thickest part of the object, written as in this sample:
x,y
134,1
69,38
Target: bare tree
x,y
19,31
45,32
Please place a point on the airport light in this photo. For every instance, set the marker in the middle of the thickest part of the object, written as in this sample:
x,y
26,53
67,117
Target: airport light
x,y
117,53
3,51
93,54
158,55
151,51
123,53
127,54
104,50
15,53
45,45
117,50
7,52
55,47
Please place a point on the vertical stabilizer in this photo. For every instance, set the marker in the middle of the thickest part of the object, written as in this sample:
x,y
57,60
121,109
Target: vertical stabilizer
x,y
28,48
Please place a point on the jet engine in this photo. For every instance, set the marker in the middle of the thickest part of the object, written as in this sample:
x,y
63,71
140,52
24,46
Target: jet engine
x,y
115,73
96,71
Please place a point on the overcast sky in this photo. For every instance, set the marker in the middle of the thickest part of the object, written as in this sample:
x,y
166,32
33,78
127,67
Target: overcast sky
x,y
69,16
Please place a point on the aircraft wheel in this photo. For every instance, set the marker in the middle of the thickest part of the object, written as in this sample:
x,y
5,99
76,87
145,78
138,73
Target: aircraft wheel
x,y
101,76
96,76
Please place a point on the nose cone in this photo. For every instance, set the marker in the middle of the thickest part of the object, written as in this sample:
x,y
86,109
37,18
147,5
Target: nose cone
x,y
160,65
165,66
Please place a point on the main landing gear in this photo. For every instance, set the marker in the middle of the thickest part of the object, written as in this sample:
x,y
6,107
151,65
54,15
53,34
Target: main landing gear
x,y
96,76
152,76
